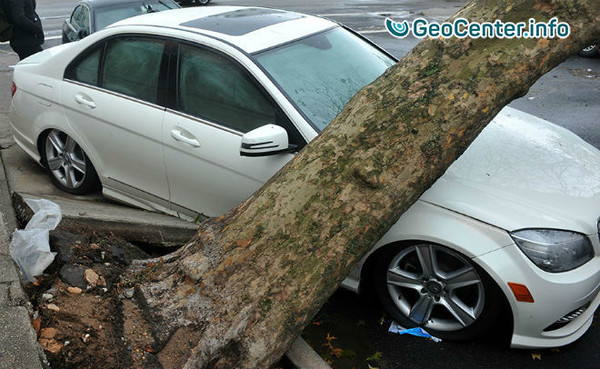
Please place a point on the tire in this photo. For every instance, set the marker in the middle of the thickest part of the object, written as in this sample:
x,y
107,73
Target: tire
x,y
589,52
70,168
438,289
202,2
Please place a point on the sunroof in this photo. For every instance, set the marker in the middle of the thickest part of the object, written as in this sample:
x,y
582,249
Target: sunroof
x,y
242,21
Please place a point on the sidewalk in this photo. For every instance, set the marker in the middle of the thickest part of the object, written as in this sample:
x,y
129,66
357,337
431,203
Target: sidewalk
x,y
18,342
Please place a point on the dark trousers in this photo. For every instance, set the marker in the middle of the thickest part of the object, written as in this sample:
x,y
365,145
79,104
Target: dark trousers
x,y
25,51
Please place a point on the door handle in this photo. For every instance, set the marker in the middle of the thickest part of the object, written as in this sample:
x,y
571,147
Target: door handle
x,y
84,100
177,135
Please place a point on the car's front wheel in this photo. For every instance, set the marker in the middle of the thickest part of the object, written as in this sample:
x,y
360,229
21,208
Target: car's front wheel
x,y
436,288
70,168
202,2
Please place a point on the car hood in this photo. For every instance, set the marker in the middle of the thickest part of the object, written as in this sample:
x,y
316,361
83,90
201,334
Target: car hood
x,y
524,172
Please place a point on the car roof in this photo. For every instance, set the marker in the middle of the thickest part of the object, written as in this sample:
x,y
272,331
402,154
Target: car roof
x,y
251,29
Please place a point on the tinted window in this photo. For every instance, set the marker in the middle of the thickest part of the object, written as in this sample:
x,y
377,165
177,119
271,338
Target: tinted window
x,y
85,69
214,88
132,67
115,12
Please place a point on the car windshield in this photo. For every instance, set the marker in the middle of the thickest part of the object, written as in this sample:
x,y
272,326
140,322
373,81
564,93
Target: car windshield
x,y
107,15
320,73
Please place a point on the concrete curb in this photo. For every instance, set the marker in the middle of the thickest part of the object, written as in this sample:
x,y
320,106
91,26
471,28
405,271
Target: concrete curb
x,y
133,225
19,348
302,356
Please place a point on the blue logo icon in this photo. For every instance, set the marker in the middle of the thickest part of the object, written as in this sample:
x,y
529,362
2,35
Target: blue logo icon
x,y
397,29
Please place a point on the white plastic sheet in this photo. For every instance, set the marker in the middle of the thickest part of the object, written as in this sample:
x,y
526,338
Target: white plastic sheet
x,y
30,247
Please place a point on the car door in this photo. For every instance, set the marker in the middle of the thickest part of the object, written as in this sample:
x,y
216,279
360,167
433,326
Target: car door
x,y
217,101
113,96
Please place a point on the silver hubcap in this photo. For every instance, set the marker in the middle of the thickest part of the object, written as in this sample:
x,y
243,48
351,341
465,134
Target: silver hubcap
x,y
435,287
66,160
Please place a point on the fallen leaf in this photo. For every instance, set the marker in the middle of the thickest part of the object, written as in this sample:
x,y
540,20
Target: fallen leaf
x,y
48,332
37,324
48,342
375,357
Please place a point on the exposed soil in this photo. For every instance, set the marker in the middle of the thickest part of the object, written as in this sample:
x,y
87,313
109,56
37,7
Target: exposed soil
x,y
86,315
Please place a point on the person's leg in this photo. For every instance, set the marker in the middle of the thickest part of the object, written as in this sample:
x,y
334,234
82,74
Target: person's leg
x,y
25,51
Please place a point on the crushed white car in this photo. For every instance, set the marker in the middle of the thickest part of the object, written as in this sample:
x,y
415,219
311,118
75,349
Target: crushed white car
x,y
170,111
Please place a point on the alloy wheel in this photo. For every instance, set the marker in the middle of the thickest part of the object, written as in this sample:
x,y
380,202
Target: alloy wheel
x,y
65,160
435,287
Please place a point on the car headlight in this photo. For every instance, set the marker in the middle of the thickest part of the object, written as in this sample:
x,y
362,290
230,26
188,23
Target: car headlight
x,y
554,250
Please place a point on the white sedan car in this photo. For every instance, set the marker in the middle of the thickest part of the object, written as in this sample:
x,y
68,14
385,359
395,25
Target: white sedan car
x,y
190,111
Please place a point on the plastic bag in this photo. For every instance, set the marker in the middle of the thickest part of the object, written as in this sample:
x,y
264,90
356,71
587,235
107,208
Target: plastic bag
x,y
418,332
30,247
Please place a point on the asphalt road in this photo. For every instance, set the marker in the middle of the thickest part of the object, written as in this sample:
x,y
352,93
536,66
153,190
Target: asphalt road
x,y
569,95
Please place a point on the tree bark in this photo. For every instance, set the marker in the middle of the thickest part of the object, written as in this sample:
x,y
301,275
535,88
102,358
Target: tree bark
x,y
242,289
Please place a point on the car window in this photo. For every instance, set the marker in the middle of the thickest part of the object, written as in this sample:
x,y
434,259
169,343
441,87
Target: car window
x,y
160,5
115,12
86,69
132,67
81,18
214,88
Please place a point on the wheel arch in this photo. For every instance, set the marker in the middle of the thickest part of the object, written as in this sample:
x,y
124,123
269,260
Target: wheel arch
x,y
469,237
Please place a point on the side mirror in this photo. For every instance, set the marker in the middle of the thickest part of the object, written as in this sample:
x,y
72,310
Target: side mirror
x,y
269,139
70,26
83,33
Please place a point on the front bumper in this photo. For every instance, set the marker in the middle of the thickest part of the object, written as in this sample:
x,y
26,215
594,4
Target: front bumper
x,y
556,295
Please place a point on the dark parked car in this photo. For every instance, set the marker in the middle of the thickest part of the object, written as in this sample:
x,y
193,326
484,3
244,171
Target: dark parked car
x,y
90,16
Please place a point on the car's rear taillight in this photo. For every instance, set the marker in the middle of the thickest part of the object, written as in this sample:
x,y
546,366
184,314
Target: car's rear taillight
x,y
13,88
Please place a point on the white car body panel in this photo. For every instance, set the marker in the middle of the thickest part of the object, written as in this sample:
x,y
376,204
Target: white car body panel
x,y
214,166
521,172
570,290
142,165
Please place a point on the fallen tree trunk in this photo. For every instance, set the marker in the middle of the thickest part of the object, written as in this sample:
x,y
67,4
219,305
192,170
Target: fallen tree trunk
x,y
241,290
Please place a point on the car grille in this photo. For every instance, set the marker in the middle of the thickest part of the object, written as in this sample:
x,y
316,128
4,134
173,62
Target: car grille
x,y
567,318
